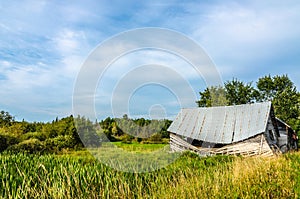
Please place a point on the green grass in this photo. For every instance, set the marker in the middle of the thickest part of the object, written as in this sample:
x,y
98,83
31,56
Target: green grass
x,y
137,147
77,176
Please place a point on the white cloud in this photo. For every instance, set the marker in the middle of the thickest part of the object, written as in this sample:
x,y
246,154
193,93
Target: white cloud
x,y
244,25
69,41
42,52
5,64
245,39
73,48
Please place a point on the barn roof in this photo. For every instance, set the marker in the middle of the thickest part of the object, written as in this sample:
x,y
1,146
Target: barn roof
x,y
223,124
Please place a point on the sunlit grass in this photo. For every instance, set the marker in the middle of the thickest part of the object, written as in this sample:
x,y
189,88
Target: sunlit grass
x,y
77,176
137,147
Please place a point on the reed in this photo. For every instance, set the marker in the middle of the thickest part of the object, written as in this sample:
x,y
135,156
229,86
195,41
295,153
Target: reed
x,y
52,176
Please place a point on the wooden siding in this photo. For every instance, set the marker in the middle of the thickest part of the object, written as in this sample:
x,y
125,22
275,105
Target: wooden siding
x,y
257,145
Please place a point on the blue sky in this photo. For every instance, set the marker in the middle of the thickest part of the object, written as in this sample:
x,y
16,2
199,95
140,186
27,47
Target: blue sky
x,y
43,45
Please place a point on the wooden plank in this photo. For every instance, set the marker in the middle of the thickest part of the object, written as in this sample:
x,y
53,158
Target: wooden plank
x,y
251,147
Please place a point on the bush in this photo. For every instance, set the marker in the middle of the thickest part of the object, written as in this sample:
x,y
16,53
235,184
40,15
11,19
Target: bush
x,y
127,139
60,142
6,141
29,146
156,137
34,135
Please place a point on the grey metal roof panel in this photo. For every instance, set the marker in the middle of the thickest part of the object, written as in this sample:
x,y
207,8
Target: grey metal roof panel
x,y
225,124
202,119
241,128
215,124
188,129
175,124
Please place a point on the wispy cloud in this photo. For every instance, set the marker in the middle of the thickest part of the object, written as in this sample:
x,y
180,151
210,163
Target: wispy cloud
x,y
44,44
246,38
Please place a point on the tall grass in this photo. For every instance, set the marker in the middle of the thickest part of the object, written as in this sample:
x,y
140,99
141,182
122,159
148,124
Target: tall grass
x,y
137,147
50,176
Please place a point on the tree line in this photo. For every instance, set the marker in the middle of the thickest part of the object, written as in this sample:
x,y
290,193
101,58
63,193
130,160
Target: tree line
x,y
279,89
71,133
37,136
141,129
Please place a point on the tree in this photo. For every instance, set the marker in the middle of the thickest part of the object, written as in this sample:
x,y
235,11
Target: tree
x,y
266,88
125,117
87,132
286,104
284,96
218,96
269,87
238,92
6,119
212,96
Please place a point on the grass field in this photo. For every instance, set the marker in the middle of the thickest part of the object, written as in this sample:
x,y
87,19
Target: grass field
x,y
79,175
137,147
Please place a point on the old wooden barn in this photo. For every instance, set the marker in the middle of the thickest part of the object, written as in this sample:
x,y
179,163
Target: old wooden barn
x,y
250,129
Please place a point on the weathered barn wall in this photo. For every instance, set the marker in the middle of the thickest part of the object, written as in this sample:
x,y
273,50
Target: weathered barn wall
x,y
177,144
270,133
250,147
257,145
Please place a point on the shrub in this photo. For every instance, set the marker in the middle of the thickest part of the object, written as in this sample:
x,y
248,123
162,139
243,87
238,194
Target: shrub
x,y
138,139
34,135
127,139
156,137
60,142
29,146
6,141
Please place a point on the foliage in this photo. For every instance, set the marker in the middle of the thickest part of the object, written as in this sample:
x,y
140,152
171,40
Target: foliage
x,y
6,141
60,142
212,96
38,136
238,92
87,132
5,119
34,135
278,89
29,146
156,138
126,129
233,93
70,133
127,139
283,93
49,176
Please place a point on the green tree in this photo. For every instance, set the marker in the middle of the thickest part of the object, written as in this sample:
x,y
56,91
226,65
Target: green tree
x,y
212,96
238,92
284,96
266,88
87,132
164,130
6,119
205,98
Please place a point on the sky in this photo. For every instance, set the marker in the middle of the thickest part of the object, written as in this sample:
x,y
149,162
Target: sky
x,y
44,45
